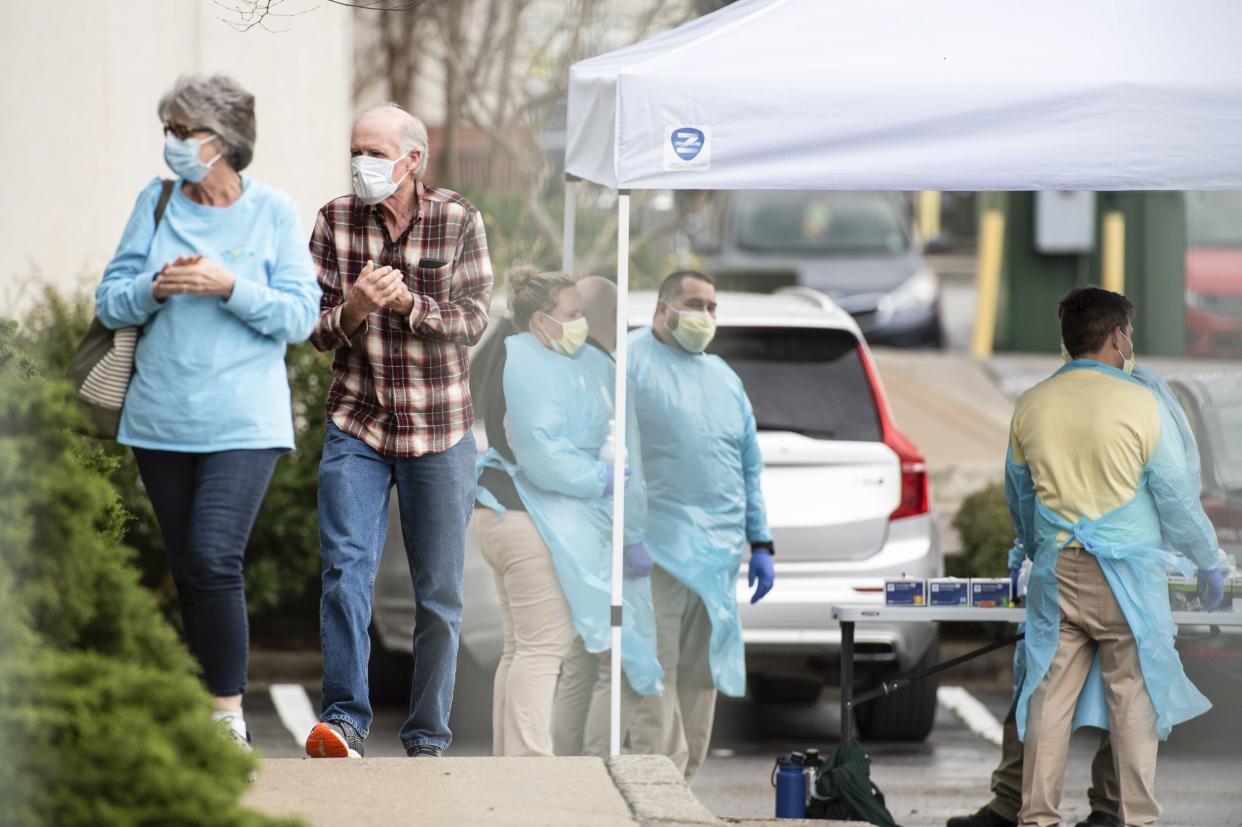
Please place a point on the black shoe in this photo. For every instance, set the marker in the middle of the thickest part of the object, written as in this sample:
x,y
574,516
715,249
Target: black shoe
x,y
424,751
986,817
1099,818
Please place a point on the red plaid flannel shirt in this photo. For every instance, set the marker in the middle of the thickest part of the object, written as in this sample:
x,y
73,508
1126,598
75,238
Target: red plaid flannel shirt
x,y
401,384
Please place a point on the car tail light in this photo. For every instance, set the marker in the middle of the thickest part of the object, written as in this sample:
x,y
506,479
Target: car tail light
x,y
915,486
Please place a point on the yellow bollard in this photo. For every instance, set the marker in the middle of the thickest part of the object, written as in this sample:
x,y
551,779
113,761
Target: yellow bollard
x,y
929,215
1113,254
987,282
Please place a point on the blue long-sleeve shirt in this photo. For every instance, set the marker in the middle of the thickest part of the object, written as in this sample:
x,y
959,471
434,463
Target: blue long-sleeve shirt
x,y
209,373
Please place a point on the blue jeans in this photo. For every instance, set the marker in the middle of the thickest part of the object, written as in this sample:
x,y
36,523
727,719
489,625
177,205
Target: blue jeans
x,y
435,493
206,505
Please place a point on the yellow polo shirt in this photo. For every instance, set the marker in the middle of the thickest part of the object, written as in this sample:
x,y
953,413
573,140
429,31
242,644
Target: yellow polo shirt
x,y
1085,436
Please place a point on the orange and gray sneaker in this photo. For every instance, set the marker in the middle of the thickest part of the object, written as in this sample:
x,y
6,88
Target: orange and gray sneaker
x,y
336,739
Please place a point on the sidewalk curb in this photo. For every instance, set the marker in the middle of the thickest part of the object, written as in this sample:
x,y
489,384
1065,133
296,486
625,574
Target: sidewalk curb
x,y
658,797
656,792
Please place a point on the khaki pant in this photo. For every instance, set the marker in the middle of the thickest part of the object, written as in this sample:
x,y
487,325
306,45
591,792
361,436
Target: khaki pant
x,y
580,717
538,631
1007,777
679,722
1091,620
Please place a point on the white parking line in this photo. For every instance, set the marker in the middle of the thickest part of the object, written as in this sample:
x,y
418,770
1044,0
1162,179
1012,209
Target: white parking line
x,y
972,712
295,710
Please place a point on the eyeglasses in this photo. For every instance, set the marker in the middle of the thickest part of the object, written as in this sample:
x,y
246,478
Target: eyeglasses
x,y
183,132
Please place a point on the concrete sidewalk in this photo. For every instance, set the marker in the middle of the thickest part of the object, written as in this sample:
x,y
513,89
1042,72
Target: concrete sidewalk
x,y
629,791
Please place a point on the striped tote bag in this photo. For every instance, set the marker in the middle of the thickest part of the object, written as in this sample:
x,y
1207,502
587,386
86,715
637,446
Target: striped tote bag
x,y
104,362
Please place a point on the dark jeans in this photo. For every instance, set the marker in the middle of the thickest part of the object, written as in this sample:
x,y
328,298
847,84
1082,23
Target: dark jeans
x,y
206,505
435,494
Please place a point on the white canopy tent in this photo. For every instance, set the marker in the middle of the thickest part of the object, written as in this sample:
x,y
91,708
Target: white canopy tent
x,y
906,95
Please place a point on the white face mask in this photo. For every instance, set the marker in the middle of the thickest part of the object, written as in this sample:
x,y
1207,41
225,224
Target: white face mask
x,y
1127,363
372,178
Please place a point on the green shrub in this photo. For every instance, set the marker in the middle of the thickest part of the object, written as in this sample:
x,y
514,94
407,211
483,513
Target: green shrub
x,y
109,723
986,530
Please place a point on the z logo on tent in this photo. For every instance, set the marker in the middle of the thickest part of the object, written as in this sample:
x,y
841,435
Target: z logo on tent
x,y
687,148
687,142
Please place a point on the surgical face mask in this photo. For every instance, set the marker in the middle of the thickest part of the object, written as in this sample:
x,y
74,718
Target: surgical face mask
x,y
1127,364
1065,354
695,329
573,336
182,157
373,178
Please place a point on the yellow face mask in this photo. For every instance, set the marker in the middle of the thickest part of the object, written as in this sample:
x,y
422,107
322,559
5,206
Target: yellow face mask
x,y
573,336
695,329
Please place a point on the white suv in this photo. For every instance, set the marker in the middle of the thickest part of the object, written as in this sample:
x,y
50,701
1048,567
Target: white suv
x,y
848,505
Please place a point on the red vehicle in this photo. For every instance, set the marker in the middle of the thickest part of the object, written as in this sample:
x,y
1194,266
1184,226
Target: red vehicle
x,y
1214,274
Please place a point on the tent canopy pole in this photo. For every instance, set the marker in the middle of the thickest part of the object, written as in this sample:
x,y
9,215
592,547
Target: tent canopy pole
x,y
619,463
571,214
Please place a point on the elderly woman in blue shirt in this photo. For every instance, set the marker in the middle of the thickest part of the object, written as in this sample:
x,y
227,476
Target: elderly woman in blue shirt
x,y
218,288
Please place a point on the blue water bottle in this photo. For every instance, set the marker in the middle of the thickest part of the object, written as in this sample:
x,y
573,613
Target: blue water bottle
x,y
790,782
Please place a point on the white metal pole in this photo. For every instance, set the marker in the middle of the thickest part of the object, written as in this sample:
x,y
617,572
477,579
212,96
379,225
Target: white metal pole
x,y
619,462
571,212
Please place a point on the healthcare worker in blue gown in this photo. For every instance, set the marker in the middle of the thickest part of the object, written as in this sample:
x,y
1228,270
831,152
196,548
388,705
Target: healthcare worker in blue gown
x,y
1092,709
702,464
544,520
1098,480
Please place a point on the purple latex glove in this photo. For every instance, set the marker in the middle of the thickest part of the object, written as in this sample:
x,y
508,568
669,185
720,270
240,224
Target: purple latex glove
x,y
1211,589
638,560
763,570
610,482
1013,584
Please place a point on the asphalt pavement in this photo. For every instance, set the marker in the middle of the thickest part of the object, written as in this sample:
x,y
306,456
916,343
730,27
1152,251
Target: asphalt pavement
x,y
1199,780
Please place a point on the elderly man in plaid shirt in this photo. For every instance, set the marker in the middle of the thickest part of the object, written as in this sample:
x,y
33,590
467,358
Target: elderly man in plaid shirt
x,y
406,290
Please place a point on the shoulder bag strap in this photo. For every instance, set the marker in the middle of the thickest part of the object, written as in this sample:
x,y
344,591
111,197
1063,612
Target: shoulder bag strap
x,y
166,192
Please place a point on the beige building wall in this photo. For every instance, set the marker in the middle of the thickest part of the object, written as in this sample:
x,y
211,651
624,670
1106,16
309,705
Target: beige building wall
x,y
79,134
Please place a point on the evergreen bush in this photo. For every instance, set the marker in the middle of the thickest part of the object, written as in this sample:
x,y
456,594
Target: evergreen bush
x,y
986,530
107,720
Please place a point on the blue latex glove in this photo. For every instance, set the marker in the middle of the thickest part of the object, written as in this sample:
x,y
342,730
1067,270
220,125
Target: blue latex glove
x,y
1211,589
761,569
610,482
1013,583
638,560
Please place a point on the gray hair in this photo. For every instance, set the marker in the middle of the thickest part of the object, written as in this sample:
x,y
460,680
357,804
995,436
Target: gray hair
x,y
413,133
220,104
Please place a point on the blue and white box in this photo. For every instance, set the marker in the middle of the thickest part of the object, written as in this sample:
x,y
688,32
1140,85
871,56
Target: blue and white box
x,y
991,592
948,591
905,592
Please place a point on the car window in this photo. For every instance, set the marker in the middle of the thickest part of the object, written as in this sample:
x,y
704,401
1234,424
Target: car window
x,y
1214,219
805,380
821,222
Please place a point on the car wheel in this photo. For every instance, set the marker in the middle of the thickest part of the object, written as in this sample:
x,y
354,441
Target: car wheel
x,y
906,715
784,690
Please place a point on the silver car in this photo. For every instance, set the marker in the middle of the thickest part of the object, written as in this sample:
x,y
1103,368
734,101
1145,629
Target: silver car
x,y
859,248
848,505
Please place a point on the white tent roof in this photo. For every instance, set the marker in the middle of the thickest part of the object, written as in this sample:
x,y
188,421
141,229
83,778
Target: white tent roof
x,y
902,94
